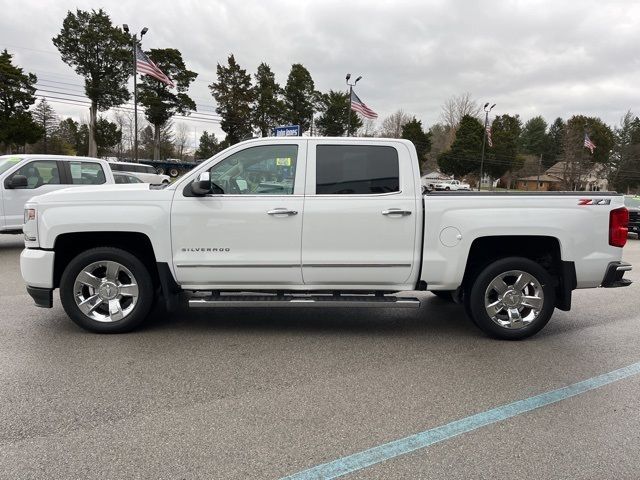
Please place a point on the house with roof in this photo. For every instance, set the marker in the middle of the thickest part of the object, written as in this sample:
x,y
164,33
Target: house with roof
x,y
567,176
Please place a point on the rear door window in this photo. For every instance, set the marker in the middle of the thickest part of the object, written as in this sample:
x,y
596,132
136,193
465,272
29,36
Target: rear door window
x,y
356,170
87,173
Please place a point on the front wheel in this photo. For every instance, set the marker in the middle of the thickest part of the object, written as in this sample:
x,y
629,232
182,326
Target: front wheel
x,y
512,298
106,290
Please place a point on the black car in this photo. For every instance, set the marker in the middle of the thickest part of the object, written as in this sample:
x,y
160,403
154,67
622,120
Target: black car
x,y
633,205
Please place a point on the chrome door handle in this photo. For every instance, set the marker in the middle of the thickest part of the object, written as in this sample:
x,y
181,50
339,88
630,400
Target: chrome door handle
x,y
396,211
282,211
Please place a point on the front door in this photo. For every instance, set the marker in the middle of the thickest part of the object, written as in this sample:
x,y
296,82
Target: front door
x,y
249,236
43,176
361,216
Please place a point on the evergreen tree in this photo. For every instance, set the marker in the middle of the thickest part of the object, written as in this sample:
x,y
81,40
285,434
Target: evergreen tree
x,y
555,138
147,142
300,97
208,146
101,53
159,100
533,139
17,94
268,109
578,160
412,130
464,155
334,117
68,134
625,159
48,122
503,155
234,95
107,137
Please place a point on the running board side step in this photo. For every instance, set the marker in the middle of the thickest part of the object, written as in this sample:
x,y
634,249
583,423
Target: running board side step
x,y
367,301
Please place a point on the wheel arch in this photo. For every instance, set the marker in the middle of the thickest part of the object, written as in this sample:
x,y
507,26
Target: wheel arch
x,y
544,250
68,245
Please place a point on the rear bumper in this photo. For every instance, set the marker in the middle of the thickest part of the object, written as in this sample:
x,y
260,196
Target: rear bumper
x,y
43,297
615,272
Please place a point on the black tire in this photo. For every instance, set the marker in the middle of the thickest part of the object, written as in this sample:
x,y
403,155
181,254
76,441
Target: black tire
x,y
143,280
475,305
446,295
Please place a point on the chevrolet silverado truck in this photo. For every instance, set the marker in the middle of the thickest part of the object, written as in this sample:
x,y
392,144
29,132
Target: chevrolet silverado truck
x,y
318,222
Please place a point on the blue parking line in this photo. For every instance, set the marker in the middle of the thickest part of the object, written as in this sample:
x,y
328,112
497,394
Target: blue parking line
x,y
402,446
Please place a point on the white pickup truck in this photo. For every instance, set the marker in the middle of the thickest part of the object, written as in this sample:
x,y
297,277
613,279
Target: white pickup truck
x,y
318,222
451,185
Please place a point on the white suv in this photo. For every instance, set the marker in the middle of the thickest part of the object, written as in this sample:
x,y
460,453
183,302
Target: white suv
x,y
25,176
144,172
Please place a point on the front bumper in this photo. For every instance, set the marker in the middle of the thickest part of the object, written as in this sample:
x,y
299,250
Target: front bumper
x,y
36,267
615,272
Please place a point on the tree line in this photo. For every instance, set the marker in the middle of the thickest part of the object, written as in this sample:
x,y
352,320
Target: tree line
x,y
250,104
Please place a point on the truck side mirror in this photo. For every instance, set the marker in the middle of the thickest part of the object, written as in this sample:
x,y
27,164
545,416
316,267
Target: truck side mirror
x,y
201,186
18,181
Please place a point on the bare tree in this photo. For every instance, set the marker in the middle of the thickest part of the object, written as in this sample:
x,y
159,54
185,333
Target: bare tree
x,y
368,128
392,125
181,139
458,106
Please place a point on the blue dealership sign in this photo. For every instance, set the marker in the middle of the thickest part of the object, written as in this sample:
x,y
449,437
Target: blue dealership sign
x,y
288,131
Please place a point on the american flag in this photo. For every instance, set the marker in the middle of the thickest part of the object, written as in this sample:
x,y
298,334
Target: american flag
x,y
588,143
145,66
489,140
359,106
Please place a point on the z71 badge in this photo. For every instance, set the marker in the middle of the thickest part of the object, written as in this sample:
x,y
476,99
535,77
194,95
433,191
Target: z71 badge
x,y
594,201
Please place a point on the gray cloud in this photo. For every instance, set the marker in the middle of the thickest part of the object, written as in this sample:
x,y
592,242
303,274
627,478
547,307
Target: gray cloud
x,y
534,57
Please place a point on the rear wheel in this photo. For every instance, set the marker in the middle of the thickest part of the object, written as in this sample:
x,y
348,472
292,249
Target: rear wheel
x,y
512,298
106,290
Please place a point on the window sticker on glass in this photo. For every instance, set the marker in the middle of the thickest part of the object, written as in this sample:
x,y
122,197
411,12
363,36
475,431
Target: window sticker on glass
x,y
283,162
76,169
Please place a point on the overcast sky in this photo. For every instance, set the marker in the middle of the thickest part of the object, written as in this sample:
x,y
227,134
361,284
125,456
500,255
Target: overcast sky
x,y
532,57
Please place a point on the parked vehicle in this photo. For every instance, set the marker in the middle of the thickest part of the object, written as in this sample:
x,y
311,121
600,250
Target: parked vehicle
x,y
146,173
235,224
124,177
451,185
24,176
633,205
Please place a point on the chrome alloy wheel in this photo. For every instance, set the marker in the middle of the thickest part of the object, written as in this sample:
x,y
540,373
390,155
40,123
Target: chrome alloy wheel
x,y
105,291
514,299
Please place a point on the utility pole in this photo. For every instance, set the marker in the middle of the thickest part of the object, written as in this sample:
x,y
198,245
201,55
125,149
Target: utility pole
x,y
134,41
484,140
351,85
539,168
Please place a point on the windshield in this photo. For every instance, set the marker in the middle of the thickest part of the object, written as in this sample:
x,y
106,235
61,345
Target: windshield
x,y
7,163
632,201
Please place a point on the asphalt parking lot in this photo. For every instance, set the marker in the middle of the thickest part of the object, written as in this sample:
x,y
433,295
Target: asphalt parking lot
x,y
248,393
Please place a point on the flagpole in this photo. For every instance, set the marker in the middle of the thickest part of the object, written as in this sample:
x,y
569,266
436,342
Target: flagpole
x,y
349,114
134,45
484,140
351,85
135,102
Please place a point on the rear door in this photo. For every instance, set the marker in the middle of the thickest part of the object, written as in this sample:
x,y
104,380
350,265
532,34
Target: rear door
x,y
361,215
84,172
